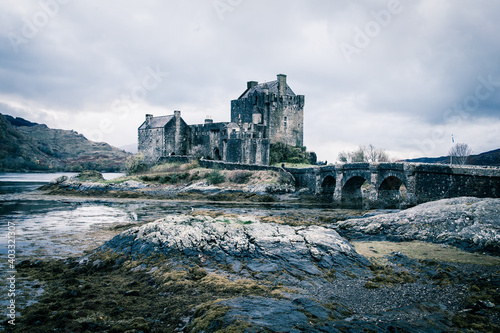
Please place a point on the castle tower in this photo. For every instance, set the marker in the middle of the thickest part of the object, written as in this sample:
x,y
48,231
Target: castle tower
x,y
274,105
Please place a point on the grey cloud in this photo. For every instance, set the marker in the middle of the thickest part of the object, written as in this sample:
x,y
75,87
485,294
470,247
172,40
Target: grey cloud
x,y
426,60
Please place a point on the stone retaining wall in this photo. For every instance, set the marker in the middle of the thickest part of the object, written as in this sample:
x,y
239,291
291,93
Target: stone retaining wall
x,y
210,164
177,159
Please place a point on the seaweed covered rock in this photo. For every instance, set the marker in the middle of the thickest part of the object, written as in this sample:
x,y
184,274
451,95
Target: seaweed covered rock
x,y
286,266
281,278
248,246
472,224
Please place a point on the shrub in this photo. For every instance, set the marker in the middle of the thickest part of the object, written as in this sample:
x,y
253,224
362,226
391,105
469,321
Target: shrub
x,y
135,164
240,177
280,152
191,165
89,175
285,179
165,179
146,178
195,176
215,177
295,160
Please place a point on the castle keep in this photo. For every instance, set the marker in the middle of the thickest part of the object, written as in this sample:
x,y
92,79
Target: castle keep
x,y
265,113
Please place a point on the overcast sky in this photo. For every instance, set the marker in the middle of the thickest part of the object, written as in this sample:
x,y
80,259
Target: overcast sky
x,y
401,75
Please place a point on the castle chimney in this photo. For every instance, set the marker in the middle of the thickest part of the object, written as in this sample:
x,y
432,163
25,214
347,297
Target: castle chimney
x,y
177,114
251,84
208,120
282,84
148,119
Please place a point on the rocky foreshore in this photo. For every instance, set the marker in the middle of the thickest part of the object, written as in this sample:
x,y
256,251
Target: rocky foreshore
x,y
197,190
472,224
241,273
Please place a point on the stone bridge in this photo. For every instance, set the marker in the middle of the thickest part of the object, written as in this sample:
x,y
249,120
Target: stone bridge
x,y
394,185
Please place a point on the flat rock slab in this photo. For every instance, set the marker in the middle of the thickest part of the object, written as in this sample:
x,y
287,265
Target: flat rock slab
x,y
472,224
247,245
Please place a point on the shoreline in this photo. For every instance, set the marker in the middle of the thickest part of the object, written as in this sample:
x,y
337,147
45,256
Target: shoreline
x,y
187,294
358,297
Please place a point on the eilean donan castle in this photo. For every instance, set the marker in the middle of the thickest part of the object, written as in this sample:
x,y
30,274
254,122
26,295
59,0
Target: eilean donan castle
x,y
265,113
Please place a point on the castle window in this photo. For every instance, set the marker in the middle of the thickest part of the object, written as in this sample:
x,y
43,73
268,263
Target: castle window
x,y
284,122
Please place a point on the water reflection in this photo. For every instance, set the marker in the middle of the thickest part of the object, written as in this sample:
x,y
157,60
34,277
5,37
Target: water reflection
x,y
34,177
49,227
64,231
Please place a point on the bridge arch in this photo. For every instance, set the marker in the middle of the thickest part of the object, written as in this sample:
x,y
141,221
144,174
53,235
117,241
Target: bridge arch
x,y
391,192
413,183
328,187
352,191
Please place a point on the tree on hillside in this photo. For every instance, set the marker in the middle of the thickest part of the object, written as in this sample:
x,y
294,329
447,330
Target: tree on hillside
x,y
364,154
459,153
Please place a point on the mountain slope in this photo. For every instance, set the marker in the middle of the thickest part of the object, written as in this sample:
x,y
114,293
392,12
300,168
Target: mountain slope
x,y
30,146
489,158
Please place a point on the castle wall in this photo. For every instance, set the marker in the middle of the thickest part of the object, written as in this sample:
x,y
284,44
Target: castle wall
x,y
152,143
286,120
241,109
206,140
438,181
247,151
176,137
237,166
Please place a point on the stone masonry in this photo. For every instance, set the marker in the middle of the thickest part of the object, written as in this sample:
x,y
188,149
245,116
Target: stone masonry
x,y
396,185
265,113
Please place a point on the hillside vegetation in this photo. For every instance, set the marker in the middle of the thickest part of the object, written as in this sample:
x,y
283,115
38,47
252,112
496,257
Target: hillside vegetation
x,y
35,147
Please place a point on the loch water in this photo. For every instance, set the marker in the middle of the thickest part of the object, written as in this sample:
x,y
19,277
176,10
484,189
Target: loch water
x,y
44,226
38,220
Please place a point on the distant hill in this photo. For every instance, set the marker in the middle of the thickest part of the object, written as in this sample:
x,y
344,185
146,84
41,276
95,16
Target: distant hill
x,y
131,148
25,145
489,158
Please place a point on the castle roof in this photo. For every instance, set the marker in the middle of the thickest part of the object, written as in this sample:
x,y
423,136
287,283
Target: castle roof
x,y
272,87
157,122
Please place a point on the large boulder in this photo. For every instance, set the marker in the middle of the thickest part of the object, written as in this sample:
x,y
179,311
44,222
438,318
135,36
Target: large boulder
x,y
297,279
304,260
469,223
248,246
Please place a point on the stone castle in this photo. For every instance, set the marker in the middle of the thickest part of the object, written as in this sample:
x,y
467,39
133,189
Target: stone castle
x,y
265,113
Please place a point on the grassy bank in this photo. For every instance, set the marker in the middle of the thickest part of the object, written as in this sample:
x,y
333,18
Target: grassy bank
x,y
184,173
186,181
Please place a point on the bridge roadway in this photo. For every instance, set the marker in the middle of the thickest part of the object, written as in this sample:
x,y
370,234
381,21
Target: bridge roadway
x,y
394,185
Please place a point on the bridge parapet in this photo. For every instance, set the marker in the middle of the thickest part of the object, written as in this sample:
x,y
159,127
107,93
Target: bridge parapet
x,y
438,181
352,166
482,171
